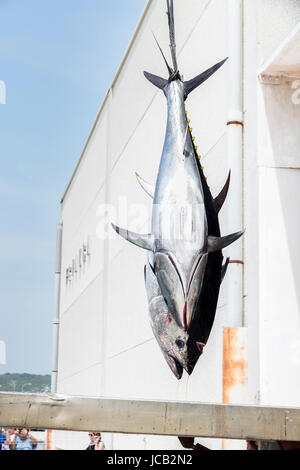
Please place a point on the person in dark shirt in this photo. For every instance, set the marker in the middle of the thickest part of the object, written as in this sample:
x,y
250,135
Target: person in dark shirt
x,y
96,442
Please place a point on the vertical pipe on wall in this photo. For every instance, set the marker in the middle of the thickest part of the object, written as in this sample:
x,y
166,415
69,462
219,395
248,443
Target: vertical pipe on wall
x,y
235,156
56,319
252,103
235,365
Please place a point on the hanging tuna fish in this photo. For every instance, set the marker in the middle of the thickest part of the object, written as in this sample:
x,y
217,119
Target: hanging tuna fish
x,y
184,268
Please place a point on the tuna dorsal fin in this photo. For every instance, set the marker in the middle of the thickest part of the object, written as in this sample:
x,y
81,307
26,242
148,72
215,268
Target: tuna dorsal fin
x,y
147,187
142,241
218,244
219,201
191,85
156,81
224,269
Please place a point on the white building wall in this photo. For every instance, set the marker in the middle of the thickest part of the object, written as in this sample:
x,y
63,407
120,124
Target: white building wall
x,y
271,172
279,230
106,343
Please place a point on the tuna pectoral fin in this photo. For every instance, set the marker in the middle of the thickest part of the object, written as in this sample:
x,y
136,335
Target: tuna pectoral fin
x,y
142,241
197,81
219,201
147,187
156,81
218,244
224,269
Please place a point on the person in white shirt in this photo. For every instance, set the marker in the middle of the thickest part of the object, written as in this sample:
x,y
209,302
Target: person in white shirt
x,y
24,441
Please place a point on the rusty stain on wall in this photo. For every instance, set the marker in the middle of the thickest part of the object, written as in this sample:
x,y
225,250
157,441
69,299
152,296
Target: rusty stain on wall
x,y
235,373
49,440
235,365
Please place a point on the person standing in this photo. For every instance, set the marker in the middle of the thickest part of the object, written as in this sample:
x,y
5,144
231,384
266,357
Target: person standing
x,y
96,442
24,441
2,439
9,432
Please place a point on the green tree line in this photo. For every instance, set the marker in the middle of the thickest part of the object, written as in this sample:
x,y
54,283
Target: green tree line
x,y
25,383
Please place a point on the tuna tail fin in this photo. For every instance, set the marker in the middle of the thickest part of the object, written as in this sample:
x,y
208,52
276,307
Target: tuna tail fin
x,y
156,81
164,57
191,85
173,73
219,201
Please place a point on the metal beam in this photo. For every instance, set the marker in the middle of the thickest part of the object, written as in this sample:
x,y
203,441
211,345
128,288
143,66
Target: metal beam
x,y
70,413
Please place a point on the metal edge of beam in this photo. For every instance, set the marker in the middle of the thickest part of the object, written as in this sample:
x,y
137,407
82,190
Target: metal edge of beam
x,y
139,26
68,413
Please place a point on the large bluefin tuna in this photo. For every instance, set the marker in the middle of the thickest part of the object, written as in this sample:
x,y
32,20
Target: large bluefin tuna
x,y
184,266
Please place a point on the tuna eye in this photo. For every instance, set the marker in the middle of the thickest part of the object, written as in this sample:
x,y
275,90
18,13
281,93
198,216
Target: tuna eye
x,y
179,343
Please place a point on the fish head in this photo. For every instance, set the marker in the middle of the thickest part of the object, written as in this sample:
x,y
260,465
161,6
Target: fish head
x,y
183,351
180,287
180,350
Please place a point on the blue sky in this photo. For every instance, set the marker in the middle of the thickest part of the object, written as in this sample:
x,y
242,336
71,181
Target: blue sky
x,y
57,58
